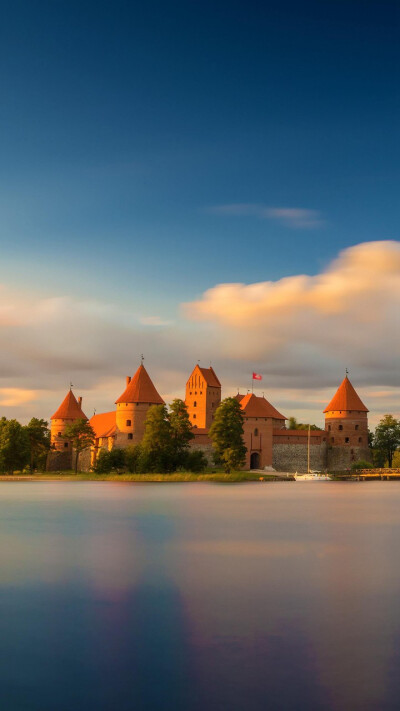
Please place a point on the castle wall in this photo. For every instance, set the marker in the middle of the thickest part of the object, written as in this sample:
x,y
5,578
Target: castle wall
x,y
59,461
341,458
293,456
204,444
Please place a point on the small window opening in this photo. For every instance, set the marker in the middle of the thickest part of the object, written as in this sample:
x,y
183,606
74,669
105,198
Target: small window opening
x,y
130,435
128,423
195,404
256,432
65,444
356,427
340,427
347,440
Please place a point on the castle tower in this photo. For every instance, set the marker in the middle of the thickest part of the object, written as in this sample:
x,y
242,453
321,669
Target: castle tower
x,y
346,421
132,407
203,395
69,411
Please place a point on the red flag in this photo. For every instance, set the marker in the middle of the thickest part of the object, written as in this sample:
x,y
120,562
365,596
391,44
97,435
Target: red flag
x,y
257,376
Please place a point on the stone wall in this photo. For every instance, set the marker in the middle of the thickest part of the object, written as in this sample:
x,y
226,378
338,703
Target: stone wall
x,y
85,460
340,458
290,457
203,443
59,461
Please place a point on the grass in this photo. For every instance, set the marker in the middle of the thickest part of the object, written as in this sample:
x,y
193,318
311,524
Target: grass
x,y
217,476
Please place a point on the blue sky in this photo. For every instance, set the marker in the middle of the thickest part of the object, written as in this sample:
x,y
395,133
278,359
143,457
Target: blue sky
x,y
150,151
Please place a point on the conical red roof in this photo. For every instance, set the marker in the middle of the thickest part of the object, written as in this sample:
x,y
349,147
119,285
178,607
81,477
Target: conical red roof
x,y
345,399
69,409
141,389
254,406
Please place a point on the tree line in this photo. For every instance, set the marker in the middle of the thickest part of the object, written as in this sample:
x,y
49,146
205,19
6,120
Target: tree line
x,y
23,446
165,446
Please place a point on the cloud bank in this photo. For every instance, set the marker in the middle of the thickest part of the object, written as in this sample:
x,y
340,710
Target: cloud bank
x,y
305,327
300,332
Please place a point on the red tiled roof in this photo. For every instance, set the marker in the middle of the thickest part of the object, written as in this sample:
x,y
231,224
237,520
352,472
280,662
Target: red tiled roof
x,y
104,424
69,409
210,377
254,406
141,389
345,399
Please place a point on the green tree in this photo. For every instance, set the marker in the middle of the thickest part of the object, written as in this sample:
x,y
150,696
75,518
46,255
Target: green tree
x,y
134,458
108,461
157,449
294,425
195,461
39,439
387,437
181,430
14,446
81,435
226,433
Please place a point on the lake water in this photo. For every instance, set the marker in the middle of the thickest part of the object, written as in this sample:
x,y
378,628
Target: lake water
x,y
195,597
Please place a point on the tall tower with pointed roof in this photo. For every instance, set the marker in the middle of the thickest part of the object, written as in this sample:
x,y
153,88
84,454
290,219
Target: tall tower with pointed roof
x,y
346,421
203,395
132,407
69,411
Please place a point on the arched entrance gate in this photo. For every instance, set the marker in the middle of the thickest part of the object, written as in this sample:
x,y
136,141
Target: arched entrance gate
x,y
254,460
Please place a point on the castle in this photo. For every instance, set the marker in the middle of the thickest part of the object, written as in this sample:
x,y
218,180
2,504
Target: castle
x,y
268,442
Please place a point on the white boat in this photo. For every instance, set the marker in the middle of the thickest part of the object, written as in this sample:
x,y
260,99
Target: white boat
x,y
312,476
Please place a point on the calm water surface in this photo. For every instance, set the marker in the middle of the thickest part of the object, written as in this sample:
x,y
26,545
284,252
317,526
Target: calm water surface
x,y
195,597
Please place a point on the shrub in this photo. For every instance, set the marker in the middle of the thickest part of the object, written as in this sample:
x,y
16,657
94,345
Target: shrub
x,y
107,461
196,461
133,457
362,464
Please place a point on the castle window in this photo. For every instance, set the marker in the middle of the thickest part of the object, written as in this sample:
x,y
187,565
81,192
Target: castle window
x,y
332,439
195,392
65,444
201,393
195,404
256,432
130,435
128,423
59,434
340,427
360,439
329,428
356,427
194,417
347,440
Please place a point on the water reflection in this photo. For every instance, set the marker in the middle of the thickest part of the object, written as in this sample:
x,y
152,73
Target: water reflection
x,y
193,597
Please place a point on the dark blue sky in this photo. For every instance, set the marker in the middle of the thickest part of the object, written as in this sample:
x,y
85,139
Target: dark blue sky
x,y
125,126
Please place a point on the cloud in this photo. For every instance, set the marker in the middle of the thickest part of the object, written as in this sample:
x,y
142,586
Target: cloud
x,y
303,329
293,217
12,397
154,321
